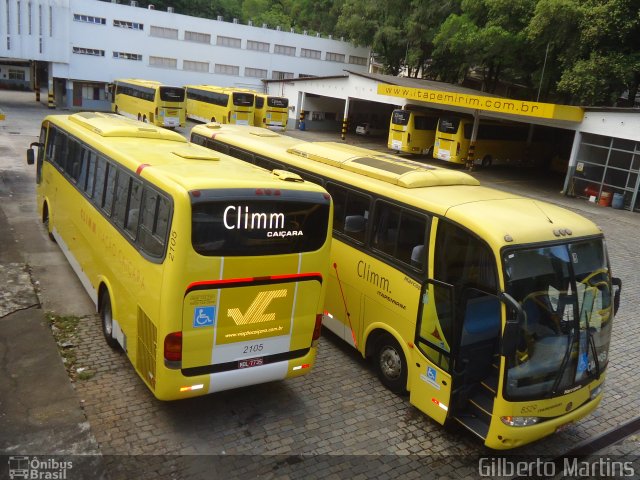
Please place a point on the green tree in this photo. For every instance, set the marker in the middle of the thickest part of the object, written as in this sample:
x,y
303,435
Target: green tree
x,y
380,25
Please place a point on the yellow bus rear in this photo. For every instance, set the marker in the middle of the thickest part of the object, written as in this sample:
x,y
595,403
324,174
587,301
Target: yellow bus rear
x,y
271,112
493,310
412,131
209,273
149,102
208,103
495,143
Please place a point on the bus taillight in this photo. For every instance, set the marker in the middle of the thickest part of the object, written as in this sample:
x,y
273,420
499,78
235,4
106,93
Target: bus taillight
x,y
318,328
173,347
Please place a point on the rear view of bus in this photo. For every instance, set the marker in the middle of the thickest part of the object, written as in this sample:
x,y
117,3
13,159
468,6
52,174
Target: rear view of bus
x,y
271,112
209,103
412,132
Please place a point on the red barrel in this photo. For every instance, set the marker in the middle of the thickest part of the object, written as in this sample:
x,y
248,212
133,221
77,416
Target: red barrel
x,y
605,199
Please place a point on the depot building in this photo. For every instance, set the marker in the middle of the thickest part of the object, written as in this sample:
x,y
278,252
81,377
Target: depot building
x,y
598,149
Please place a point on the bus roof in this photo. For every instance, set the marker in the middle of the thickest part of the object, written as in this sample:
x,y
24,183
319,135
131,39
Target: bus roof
x,y
143,82
215,88
501,217
166,157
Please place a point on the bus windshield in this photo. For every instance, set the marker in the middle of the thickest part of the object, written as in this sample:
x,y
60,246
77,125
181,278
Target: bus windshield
x,y
172,94
400,117
247,227
277,102
564,291
242,99
448,125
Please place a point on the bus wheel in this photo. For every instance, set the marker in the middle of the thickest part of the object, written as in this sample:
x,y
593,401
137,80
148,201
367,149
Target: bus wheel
x,y
47,222
144,119
213,119
391,364
116,110
107,320
486,161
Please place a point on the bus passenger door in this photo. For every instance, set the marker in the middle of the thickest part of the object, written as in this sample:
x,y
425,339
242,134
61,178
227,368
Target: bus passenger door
x,y
431,357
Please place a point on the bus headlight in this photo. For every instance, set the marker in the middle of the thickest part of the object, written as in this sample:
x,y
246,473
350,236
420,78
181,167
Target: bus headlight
x,y
519,421
596,391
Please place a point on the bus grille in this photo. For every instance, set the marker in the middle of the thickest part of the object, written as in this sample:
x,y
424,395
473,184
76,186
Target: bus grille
x,y
146,354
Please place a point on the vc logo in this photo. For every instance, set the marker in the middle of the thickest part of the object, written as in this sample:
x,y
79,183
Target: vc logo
x,y
256,311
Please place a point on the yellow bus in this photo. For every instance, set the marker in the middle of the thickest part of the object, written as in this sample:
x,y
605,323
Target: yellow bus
x,y
493,310
208,103
412,131
496,142
209,273
148,101
271,112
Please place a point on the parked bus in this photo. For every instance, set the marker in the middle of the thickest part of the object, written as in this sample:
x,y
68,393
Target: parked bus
x,y
208,272
493,310
148,101
208,103
412,131
495,142
271,112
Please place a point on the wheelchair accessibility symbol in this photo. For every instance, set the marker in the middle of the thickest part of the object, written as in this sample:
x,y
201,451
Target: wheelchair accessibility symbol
x,y
204,316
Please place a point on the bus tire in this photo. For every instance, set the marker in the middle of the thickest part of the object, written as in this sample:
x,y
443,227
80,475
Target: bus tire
x,y
46,220
213,119
139,117
144,119
116,110
106,317
487,161
391,365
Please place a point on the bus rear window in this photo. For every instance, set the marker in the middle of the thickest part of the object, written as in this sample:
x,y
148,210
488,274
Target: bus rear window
x,y
277,102
172,94
242,99
448,125
400,117
244,227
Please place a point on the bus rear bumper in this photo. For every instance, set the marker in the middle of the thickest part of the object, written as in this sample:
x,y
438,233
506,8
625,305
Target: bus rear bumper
x,y
503,437
178,386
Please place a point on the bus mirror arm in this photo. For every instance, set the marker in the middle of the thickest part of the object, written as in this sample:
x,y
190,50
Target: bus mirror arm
x,y
509,342
617,284
31,156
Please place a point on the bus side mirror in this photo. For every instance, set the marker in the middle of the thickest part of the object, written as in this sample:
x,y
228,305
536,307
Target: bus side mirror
x,y
515,315
31,157
617,288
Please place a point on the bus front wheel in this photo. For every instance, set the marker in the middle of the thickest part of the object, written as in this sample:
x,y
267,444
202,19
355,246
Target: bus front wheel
x,y
391,364
46,219
106,316
487,161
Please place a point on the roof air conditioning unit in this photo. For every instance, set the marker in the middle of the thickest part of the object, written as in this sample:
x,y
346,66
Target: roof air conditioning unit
x,y
151,7
219,18
171,9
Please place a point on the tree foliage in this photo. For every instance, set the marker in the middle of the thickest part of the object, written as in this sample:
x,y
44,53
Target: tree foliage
x,y
574,51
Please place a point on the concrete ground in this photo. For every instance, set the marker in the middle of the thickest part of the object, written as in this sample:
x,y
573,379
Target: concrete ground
x,y
337,422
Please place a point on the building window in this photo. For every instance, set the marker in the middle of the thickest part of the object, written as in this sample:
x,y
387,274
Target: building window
x,y
306,53
228,42
41,44
88,51
284,50
305,75
16,74
130,25
335,57
259,46
281,75
127,56
29,17
51,21
163,62
357,60
197,37
89,19
8,42
227,69
40,24
194,66
92,92
19,17
163,32
255,72
8,19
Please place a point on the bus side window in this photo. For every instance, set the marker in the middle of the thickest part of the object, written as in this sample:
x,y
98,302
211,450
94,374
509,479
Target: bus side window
x,y
121,197
91,172
147,241
101,175
109,189
241,154
133,214
74,160
351,212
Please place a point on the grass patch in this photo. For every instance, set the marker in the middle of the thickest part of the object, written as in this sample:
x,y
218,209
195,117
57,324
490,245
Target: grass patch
x,y
64,328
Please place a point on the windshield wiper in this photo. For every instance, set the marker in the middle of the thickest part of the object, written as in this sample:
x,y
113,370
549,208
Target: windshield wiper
x,y
563,365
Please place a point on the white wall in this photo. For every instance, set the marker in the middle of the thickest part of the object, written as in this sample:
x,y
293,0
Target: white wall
x,y
616,124
67,33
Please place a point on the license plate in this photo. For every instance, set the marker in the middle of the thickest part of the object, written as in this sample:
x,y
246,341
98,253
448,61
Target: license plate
x,y
250,362
444,154
564,427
